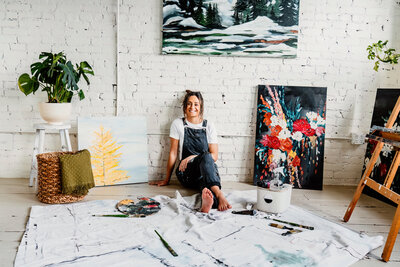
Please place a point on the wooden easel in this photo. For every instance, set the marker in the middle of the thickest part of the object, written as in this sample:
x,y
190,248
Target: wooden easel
x,y
384,189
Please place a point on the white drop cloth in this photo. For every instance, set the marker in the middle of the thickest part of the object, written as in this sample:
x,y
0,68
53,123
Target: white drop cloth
x,y
68,235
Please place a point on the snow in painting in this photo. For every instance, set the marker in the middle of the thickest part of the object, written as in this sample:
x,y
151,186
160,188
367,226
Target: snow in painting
x,y
256,28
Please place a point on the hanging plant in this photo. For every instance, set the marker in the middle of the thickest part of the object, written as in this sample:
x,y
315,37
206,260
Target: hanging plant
x,y
379,52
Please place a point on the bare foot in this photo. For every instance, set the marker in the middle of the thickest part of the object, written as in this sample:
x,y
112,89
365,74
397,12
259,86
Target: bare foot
x,y
223,204
207,200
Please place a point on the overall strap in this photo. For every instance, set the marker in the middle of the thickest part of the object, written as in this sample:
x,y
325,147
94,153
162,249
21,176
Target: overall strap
x,y
204,125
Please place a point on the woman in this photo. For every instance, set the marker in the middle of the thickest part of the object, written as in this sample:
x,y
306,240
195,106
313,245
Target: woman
x,y
196,141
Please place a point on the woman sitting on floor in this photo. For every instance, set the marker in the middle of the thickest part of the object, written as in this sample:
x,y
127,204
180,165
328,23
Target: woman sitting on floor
x,y
198,151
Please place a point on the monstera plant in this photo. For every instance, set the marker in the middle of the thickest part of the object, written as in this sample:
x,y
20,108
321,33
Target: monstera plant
x,y
56,76
59,78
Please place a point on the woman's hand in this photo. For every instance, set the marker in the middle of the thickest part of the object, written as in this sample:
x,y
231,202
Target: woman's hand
x,y
184,162
160,183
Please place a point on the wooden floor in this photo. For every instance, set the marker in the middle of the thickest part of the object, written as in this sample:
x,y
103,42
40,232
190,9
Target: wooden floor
x,y
371,216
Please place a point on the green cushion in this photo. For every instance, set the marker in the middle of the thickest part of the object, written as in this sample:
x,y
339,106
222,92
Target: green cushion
x,y
76,173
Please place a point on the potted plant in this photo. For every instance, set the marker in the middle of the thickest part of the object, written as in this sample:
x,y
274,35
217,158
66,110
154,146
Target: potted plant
x,y
59,79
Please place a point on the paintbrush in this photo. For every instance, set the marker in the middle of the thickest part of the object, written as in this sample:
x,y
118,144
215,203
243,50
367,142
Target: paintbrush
x,y
166,245
119,215
280,226
291,232
295,224
245,212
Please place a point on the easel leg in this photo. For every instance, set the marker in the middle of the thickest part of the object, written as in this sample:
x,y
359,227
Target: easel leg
x,y
361,184
391,239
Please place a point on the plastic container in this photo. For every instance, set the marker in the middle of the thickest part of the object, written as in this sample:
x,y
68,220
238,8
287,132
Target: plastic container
x,y
274,201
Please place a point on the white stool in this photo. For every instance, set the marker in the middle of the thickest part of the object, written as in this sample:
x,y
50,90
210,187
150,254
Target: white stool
x,y
39,144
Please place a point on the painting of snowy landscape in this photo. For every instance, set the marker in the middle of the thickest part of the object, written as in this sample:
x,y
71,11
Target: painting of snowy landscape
x,y
255,28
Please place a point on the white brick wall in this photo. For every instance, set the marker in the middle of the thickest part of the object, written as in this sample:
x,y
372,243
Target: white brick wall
x,y
331,53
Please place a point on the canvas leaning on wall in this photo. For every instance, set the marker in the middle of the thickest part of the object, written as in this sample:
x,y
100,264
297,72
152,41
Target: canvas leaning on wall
x,y
118,148
290,133
263,28
384,104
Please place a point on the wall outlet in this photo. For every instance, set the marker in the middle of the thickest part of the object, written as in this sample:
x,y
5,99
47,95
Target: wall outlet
x,y
357,138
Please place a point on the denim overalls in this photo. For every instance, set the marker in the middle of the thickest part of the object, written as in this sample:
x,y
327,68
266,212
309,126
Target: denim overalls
x,y
201,171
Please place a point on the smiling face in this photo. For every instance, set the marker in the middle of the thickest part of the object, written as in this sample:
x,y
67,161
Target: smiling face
x,y
193,107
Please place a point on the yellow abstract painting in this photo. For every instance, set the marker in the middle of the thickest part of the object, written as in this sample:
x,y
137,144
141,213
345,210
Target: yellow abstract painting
x,y
105,159
118,148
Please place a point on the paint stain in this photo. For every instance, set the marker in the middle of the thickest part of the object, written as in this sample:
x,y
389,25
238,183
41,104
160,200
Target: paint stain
x,y
285,258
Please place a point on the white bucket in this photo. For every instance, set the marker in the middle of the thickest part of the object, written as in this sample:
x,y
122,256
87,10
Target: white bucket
x,y
274,201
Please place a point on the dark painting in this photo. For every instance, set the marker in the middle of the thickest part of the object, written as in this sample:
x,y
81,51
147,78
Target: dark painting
x,y
290,134
384,103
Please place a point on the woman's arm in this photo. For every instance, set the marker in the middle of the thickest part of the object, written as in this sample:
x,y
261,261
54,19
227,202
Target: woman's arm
x,y
213,148
173,154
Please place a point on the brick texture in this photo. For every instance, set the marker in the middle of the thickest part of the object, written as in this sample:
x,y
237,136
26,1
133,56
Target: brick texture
x,y
331,53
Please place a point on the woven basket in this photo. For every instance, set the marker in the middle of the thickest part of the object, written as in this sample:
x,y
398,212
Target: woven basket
x,y
49,179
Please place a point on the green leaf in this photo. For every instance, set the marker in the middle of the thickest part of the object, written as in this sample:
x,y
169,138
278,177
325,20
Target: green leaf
x,y
70,77
27,85
81,95
376,66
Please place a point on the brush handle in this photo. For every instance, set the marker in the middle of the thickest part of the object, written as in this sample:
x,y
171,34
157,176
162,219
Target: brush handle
x,y
295,224
166,245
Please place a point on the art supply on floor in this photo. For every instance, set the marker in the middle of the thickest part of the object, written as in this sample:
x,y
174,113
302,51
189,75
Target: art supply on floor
x,y
120,215
295,224
245,212
294,231
280,226
146,206
274,201
166,245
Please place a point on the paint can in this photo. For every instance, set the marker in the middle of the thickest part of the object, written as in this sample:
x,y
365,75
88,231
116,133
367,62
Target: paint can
x,y
274,201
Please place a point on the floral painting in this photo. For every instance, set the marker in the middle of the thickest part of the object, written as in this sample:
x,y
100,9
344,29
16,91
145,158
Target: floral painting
x,y
290,133
262,28
118,148
384,103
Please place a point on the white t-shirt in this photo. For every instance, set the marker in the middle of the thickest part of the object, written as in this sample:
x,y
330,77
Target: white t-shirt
x,y
177,132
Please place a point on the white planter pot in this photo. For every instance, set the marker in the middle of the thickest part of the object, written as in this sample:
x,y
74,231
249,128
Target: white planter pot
x,y
55,113
274,201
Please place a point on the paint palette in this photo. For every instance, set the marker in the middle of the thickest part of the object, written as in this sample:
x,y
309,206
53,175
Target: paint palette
x,y
144,207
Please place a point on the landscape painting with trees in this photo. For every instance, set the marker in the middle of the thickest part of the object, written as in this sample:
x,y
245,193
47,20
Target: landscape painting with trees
x,y
256,28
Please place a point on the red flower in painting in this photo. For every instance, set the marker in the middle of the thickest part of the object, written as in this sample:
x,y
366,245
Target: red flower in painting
x,y
301,125
309,132
270,141
276,130
286,145
296,161
267,118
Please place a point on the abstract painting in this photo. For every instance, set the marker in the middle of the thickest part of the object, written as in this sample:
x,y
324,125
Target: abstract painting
x,y
118,148
261,28
384,104
290,135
